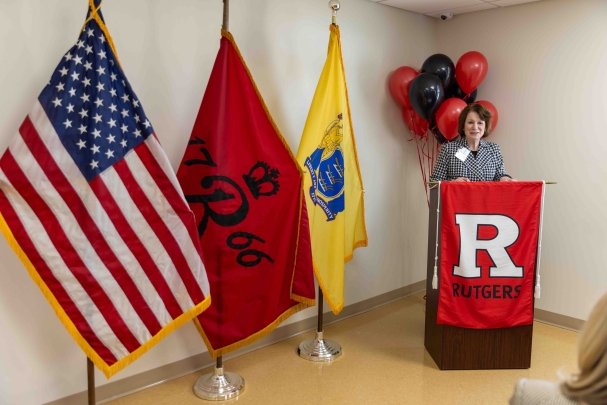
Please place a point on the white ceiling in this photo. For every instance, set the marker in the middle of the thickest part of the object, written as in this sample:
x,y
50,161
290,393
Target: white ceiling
x,y
434,8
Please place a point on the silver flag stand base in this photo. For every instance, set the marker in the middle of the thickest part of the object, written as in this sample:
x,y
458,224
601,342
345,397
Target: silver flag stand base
x,y
319,349
219,385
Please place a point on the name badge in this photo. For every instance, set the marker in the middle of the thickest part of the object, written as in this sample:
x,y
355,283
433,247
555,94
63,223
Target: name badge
x,y
462,154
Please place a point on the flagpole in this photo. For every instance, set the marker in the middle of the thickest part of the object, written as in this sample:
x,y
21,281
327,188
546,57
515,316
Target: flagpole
x,y
320,311
320,349
220,385
335,6
226,15
90,371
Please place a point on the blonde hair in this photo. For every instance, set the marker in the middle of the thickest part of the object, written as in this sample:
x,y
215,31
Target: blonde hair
x,y
590,383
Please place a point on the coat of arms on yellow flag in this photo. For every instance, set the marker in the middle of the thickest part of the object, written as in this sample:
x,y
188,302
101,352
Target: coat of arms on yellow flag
x,y
332,182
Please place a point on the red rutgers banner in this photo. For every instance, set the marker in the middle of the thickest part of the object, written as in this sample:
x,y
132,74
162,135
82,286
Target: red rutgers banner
x,y
489,239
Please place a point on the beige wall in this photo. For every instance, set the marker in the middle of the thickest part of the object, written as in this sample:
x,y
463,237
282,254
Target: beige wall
x,y
167,49
547,77
548,80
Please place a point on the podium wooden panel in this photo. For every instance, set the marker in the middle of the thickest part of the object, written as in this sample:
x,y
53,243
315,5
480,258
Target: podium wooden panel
x,y
455,348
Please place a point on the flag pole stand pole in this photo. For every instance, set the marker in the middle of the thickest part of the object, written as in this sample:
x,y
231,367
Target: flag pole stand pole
x,y
319,349
90,371
219,385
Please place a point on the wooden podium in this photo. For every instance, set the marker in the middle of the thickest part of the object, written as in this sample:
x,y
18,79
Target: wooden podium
x,y
454,348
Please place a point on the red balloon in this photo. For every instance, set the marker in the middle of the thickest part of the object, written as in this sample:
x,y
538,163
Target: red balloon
x,y
421,125
408,118
400,82
447,117
416,124
471,70
489,106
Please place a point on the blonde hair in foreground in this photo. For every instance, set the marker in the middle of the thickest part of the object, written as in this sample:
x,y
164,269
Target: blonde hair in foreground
x,y
590,383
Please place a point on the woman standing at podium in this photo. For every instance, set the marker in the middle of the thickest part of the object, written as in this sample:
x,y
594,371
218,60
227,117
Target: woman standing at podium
x,y
470,158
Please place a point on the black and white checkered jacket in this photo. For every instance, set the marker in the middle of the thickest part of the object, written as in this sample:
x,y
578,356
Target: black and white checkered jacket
x,y
488,165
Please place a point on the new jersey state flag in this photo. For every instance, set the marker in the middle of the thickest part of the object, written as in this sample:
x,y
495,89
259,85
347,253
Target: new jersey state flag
x,y
90,204
332,182
245,188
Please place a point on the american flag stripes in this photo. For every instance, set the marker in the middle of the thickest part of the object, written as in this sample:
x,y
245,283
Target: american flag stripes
x,y
90,203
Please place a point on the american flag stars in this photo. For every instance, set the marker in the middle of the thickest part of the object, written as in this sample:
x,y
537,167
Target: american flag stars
x,y
98,118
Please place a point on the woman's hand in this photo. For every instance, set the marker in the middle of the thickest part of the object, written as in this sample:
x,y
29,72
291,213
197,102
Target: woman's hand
x,y
462,179
506,178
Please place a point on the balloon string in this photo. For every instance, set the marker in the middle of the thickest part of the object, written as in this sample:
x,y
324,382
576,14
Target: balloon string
x,y
437,151
428,171
421,166
434,153
426,146
431,152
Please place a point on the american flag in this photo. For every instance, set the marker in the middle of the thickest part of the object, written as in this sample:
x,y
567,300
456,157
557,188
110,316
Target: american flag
x,y
90,203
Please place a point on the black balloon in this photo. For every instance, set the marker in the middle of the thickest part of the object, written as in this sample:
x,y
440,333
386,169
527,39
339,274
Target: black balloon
x,y
426,94
456,92
436,132
442,66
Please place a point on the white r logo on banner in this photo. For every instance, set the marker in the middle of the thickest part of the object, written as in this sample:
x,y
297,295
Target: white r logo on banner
x,y
507,233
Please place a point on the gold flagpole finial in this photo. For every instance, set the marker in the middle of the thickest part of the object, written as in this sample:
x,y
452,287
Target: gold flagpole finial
x,y
226,15
335,6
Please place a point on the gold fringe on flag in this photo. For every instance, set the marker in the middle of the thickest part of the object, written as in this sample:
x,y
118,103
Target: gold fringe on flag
x,y
71,328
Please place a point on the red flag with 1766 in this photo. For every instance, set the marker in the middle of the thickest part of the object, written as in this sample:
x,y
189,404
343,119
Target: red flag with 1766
x,y
245,188
489,240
